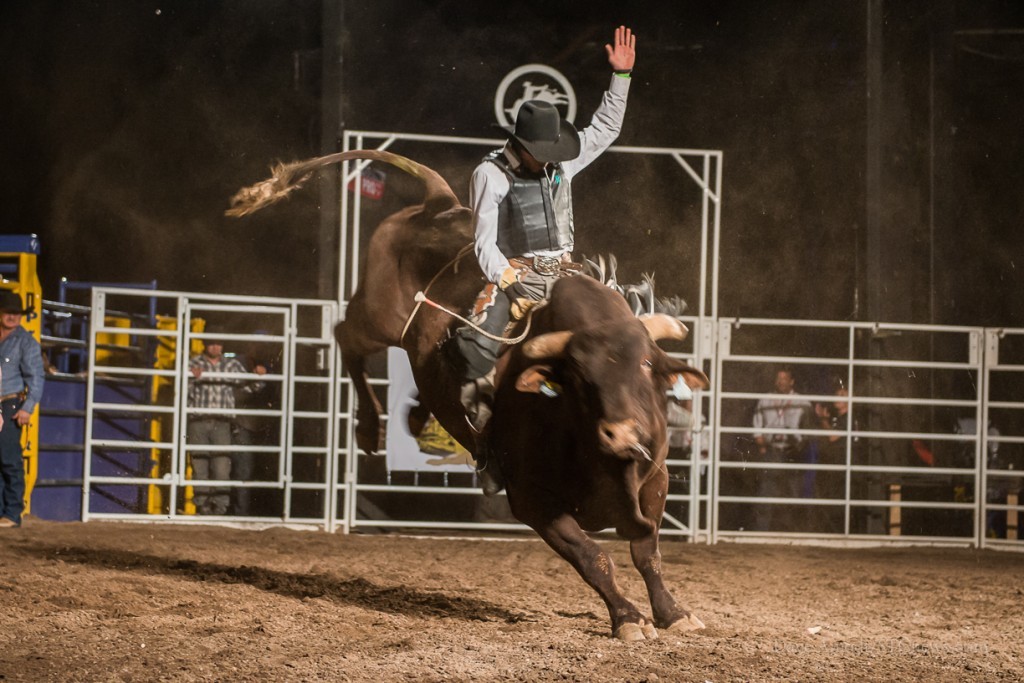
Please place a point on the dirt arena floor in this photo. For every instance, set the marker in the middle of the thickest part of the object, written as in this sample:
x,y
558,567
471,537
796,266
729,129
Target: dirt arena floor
x,y
132,602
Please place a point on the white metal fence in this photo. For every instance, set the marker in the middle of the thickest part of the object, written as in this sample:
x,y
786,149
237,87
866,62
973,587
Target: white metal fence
x,y
138,458
1002,473
878,455
896,456
923,443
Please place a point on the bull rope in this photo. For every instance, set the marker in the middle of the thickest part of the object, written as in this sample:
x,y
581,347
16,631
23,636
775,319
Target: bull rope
x,y
421,298
416,308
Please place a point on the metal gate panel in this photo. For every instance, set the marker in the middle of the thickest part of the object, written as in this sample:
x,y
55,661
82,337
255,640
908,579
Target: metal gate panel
x,y
314,374
702,168
687,509
1001,433
141,474
278,333
901,469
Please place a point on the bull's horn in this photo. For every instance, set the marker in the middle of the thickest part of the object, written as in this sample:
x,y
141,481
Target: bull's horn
x,y
661,326
550,345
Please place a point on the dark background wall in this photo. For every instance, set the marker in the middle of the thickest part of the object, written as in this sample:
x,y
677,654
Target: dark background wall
x,y
871,148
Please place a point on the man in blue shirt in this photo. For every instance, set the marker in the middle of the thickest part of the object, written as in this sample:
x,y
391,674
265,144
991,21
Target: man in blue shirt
x,y
21,387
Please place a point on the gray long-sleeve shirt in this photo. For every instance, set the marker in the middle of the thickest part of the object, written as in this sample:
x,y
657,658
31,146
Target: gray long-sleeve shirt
x,y
489,184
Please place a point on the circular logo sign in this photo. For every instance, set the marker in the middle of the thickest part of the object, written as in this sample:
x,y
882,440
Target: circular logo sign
x,y
533,82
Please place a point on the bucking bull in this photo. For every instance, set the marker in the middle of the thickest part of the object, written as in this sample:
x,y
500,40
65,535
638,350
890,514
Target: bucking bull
x,y
579,425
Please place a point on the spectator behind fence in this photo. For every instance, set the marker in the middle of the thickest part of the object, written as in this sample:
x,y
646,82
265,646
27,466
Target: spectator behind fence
x,y
830,450
254,430
21,385
681,428
212,429
680,423
996,488
786,411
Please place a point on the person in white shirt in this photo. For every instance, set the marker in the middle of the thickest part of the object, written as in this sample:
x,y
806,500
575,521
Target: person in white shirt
x,y
785,411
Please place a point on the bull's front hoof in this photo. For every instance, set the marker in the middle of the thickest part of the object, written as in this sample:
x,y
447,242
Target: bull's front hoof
x,y
631,632
687,623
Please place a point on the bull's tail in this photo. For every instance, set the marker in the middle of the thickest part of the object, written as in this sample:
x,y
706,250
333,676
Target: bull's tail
x,y
286,178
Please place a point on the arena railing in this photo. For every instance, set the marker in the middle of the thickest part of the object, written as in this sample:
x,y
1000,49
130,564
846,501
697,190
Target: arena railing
x,y
909,468
895,463
137,457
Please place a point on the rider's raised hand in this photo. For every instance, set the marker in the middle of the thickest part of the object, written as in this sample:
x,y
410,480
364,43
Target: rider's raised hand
x,y
622,53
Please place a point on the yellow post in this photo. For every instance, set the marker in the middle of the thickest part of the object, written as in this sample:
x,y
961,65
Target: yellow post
x,y
895,512
1012,515
107,355
165,358
164,361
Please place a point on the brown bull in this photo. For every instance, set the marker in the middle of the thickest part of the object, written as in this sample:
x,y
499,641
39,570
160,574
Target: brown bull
x,y
587,452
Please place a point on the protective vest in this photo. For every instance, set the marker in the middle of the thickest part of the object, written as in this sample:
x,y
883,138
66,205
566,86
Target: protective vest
x,y
536,214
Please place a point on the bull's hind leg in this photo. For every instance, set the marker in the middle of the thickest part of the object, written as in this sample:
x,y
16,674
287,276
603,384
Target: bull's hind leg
x,y
369,430
354,350
596,567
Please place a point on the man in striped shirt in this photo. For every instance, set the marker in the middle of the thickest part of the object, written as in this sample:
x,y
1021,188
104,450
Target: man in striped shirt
x,y
216,394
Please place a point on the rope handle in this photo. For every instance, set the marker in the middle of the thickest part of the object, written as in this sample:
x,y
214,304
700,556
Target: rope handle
x,y
422,298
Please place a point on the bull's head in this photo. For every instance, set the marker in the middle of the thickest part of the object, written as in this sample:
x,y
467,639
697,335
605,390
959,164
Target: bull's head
x,y
617,374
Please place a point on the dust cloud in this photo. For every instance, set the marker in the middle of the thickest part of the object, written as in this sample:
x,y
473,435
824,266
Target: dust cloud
x,y
135,122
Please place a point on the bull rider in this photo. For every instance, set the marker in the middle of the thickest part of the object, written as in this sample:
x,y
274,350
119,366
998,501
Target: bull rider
x,y
522,217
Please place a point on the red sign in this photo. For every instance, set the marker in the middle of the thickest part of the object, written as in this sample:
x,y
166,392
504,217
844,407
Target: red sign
x,y
371,184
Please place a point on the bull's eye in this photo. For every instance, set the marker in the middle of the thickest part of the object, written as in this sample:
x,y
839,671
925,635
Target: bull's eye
x,y
647,365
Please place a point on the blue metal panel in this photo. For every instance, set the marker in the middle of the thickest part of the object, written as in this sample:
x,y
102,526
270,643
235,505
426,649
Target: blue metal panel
x,y
108,462
58,491
22,244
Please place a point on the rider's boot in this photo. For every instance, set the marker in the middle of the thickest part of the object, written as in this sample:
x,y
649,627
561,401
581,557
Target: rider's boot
x,y
477,398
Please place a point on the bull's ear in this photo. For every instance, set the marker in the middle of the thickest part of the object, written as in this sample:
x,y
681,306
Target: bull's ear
x,y
674,368
533,378
694,378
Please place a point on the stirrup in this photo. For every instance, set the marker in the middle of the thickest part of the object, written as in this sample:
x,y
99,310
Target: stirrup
x,y
476,397
490,484
478,417
489,473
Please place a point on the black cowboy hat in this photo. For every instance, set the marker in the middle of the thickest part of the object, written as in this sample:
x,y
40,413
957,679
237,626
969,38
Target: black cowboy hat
x,y
11,303
540,129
